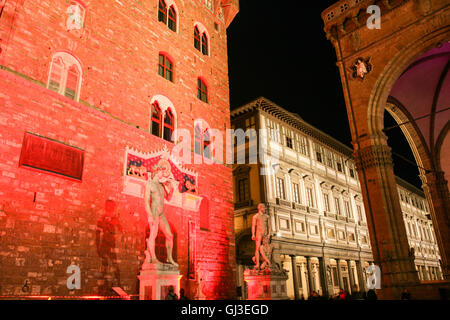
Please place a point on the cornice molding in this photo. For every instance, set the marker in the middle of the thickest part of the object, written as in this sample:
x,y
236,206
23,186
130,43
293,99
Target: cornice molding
x,y
263,104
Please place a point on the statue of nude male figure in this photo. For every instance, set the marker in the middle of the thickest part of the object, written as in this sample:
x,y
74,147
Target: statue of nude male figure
x,y
158,187
260,231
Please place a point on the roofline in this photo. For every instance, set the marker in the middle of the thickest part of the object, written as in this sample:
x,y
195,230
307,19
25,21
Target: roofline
x,y
409,186
294,120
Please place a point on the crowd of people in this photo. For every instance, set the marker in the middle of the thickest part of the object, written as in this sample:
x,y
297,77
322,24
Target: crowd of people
x,y
355,295
171,295
341,295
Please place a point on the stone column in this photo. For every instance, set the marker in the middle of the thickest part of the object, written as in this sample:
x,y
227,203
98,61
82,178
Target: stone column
x,y
350,276
439,273
338,262
360,271
294,277
436,190
310,277
425,273
387,230
323,277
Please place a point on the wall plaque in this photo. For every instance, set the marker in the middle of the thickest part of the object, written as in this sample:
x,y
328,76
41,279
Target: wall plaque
x,y
48,155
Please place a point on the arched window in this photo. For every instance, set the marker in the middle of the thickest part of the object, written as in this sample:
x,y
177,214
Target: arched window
x,y
204,44
201,38
156,119
167,14
163,118
72,82
203,141
172,23
197,44
162,11
56,74
198,139
206,144
168,125
65,75
202,90
165,68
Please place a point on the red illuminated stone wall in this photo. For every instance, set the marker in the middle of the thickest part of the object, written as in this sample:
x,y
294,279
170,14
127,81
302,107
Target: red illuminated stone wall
x,y
49,221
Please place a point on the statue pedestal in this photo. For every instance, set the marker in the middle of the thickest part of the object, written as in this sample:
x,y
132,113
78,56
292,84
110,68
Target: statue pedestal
x,y
155,280
266,284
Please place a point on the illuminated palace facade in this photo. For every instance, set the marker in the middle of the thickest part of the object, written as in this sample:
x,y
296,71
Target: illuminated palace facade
x,y
91,93
313,197
420,231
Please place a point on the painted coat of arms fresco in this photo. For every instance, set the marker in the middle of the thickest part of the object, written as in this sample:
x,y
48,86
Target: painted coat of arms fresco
x,y
184,181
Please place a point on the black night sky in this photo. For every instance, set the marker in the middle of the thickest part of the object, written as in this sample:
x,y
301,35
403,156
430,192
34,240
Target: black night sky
x,y
279,50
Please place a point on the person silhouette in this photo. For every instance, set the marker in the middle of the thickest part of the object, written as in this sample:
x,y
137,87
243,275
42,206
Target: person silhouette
x,y
108,228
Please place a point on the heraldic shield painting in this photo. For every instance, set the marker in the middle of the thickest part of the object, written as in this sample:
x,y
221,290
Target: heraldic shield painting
x,y
139,165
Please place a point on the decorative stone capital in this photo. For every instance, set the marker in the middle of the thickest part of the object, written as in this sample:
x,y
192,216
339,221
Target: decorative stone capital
x,y
373,156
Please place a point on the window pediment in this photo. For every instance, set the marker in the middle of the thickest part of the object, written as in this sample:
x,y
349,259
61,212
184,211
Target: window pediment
x,y
325,185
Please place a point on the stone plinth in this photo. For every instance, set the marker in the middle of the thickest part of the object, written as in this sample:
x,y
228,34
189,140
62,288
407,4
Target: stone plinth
x,y
266,284
155,280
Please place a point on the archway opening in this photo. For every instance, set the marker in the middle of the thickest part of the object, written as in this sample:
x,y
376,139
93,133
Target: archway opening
x,y
405,165
416,122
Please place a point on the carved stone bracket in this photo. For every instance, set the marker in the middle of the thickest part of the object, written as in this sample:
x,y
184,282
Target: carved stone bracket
x,y
373,156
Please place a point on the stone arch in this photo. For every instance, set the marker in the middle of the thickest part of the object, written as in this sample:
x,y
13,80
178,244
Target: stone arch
x,y
411,132
393,70
435,187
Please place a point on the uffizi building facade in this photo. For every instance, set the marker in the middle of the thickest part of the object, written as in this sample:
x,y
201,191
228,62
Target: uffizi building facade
x,y
317,216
